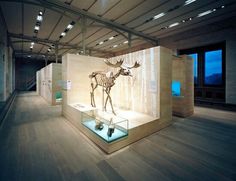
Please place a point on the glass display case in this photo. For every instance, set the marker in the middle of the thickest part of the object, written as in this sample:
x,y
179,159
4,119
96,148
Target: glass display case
x,y
105,125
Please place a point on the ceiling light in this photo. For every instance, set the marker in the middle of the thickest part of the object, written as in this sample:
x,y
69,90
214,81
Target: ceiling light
x,y
31,47
174,24
188,2
32,43
114,46
29,56
159,16
205,13
112,37
69,26
40,13
63,34
36,27
125,42
49,49
39,18
101,43
222,6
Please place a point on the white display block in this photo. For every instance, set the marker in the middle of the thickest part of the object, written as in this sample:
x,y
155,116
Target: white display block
x,y
182,72
50,83
143,99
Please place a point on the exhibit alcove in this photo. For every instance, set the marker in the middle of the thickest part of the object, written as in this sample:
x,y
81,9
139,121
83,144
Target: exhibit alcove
x,y
138,100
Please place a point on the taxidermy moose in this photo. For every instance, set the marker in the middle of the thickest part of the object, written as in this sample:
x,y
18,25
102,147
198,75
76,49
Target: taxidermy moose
x,y
107,80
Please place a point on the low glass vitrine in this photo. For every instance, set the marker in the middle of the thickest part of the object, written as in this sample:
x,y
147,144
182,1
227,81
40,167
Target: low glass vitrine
x,y
105,125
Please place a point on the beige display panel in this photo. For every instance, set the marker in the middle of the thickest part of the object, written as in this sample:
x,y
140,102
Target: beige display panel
x,y
143,99
182,72
49,83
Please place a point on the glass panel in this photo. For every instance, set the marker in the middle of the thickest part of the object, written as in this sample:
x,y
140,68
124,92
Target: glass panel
x,y
105,125
213,67
195,66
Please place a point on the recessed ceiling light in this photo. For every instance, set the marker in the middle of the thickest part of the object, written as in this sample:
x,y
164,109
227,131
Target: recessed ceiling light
x,y
222,6
36,27
63,34
205,13
101,43
29,56
125,42
188,2
40,13
114,46
112,37
159,15
69,26
174,24
39,18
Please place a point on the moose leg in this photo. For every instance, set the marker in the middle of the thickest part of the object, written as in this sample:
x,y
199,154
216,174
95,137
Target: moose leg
x,y
92,95
105,106
109,97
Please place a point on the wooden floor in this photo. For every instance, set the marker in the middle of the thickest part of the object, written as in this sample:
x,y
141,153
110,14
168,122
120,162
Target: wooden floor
x,y
36,143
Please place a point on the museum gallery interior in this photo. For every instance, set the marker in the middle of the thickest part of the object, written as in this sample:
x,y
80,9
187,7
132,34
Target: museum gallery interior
x,y
117,90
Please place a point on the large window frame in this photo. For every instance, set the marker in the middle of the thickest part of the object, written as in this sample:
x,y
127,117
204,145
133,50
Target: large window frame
x,y
200,85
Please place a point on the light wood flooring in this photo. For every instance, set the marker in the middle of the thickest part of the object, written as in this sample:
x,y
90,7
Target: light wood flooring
x,y
38,144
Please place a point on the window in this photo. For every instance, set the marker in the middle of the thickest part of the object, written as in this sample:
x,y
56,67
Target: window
x,y
209,71
213,67
195,66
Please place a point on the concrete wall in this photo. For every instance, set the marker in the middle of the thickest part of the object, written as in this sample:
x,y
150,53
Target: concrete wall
x,y
25,71
7,64
230,71
209,35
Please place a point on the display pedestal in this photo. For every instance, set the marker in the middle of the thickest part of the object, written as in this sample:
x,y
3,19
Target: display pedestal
x,y
76,68
182,72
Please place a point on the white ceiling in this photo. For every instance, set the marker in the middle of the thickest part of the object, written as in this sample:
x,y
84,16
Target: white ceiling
x,y
21,19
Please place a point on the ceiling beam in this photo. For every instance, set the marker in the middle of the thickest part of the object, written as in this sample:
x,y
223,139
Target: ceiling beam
x,y
55,5
69,46
19,52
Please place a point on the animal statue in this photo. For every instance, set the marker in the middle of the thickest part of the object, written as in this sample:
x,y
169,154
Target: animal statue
x,y
107,80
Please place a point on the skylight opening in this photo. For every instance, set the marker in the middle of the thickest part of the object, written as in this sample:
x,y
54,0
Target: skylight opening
x,y
205,13
173,25
189,2
159,16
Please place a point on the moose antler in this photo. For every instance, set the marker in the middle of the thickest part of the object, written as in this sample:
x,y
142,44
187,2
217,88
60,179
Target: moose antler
x,y
136,65
117,64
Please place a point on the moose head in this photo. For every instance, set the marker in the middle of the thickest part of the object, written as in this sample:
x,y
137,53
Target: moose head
x,y
124,69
